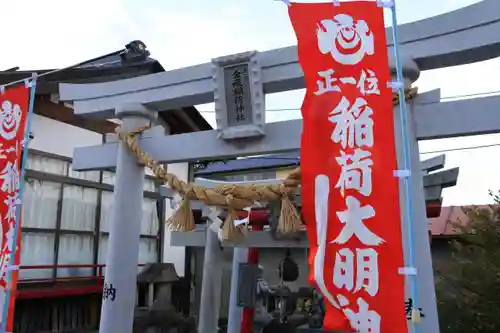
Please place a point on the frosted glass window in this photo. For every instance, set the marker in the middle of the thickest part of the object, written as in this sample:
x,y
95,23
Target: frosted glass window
x,y
47,165
85,175
148,251
149,223
149,185
40,200
75,250
102,250
108,177
106,210
37,249
78,208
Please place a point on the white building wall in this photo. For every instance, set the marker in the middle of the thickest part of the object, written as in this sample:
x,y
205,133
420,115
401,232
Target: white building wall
x,y
61,139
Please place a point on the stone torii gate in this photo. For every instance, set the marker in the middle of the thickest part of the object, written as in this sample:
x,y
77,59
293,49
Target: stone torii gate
x,y
212,267
460,37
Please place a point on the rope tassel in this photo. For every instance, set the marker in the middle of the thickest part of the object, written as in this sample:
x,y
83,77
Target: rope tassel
x,y
290,221
182,219
231,232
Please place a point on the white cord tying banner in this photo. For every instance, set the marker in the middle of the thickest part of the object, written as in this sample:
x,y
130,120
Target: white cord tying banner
x,y
28,83
336,3
213,214
175,201
407,271
245,220
395,85
25,143
385,3
286,2
402,173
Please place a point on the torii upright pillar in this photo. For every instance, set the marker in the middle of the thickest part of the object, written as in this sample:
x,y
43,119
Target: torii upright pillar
x,y
423,258
120,282
211,284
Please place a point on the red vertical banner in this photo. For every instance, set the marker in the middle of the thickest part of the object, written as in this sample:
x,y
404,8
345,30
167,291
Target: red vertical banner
x,y
14,104
15,276
349,193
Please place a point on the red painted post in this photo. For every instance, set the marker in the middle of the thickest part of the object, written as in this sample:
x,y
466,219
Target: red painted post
x,y
253,258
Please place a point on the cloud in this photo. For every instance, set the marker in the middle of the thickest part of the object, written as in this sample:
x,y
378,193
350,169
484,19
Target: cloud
x,y
182,38
56,33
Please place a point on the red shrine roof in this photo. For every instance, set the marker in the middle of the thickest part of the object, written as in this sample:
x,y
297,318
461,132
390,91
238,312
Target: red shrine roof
x,y
444,224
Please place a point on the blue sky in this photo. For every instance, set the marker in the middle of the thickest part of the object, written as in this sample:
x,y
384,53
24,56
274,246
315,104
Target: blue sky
x,y
56,33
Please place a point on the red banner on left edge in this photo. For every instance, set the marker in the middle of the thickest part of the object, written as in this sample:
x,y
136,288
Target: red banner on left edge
x,y
14,104
350,197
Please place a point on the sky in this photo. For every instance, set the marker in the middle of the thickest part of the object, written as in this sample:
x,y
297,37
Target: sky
x,y
57,33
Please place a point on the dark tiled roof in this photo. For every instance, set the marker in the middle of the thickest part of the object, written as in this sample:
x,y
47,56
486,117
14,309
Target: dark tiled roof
x,y
110,68
102,70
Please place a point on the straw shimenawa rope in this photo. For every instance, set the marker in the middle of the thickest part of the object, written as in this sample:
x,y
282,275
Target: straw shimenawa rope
x,y
234,197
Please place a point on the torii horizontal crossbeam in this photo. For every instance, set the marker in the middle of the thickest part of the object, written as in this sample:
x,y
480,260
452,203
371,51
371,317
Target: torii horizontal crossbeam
x,y
463,36
432,120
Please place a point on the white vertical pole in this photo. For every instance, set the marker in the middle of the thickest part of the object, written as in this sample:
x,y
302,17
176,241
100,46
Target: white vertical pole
x,y
240,255
211,284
